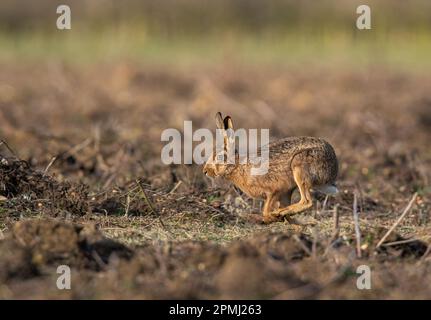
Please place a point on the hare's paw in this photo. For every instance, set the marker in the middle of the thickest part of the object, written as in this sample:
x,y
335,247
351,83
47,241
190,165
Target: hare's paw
x,y
252,218
279,213
284,212
270,218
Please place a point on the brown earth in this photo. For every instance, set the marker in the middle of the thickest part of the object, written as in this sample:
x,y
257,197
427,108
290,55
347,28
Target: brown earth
x,y
82,184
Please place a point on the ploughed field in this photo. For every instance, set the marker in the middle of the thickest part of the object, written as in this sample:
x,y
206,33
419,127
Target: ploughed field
x,y
82,184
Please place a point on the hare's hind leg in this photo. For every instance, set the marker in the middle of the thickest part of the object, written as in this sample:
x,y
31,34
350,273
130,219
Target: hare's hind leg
x,y
285,198
303,182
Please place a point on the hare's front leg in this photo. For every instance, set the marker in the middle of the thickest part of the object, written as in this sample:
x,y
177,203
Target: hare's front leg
x,y
303,182
270,200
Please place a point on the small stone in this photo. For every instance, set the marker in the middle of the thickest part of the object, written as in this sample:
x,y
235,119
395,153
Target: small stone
x,y
364,246
201,266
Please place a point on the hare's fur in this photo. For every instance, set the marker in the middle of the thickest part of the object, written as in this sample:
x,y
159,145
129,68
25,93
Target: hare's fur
x,y
306,163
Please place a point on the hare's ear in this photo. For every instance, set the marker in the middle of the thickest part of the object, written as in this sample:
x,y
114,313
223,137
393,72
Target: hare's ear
x,y
219,121
228,124
229,138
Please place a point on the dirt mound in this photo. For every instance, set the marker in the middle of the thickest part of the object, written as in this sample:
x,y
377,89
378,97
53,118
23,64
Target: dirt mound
x,y
35,245
30,190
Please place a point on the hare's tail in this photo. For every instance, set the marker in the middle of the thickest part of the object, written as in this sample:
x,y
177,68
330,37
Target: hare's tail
x,y
326,189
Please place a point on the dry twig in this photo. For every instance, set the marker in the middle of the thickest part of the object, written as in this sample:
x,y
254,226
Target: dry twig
x,y
303,246
175,187
336,230
357,229
424,257
149,204
406,210
389,244
314,245
9,148
49,165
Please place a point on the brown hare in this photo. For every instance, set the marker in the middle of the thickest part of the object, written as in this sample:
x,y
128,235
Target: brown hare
x,y
305,163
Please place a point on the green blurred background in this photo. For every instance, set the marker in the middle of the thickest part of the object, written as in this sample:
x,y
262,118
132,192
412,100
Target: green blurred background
x,y
207,32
